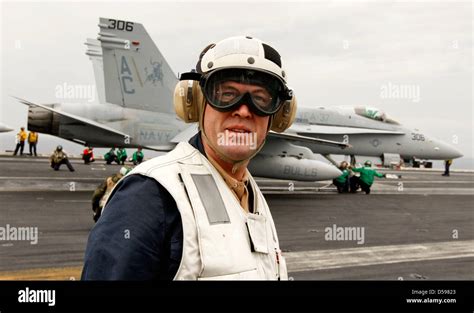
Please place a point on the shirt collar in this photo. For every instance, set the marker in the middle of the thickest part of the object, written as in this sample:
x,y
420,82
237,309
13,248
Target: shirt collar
x,y
237,186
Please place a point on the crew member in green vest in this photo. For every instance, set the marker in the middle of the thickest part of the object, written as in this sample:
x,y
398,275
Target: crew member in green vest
x,y
110,157
366,178
342,182
137,157
122,155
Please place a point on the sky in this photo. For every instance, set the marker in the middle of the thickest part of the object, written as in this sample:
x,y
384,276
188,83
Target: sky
x,y
335,53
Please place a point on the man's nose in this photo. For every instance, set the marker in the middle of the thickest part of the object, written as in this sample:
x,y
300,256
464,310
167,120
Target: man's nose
x,y
243,111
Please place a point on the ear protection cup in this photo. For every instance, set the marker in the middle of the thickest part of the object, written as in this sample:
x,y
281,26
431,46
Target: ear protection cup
x,y
187,97
285,116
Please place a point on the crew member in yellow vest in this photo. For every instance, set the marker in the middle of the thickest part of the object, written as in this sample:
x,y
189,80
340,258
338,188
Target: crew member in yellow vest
x,y
20,141
32,141
196,213
447,165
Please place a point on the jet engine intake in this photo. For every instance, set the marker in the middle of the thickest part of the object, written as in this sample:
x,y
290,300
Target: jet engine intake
x,y
43,121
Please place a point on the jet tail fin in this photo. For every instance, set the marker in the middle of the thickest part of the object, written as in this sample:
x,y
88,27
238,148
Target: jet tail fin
x,y
94,51
136,73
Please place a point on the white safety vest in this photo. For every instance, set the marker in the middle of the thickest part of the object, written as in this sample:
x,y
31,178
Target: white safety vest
x,y
220,240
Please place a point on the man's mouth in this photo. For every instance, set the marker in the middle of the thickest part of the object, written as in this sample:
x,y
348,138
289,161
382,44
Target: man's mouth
x,y
238,130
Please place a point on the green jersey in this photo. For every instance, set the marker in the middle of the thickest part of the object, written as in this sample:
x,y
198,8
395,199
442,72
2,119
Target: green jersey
x,y
343,178
367,174
109,154
138,154
121,153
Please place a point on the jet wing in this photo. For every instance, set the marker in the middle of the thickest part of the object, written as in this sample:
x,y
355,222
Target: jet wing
x,y
72,119
164,148
339,130
299,138
192,130
186,134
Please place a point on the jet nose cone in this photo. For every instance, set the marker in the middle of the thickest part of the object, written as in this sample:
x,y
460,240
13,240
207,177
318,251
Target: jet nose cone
x,y
456,154
4,128
447,152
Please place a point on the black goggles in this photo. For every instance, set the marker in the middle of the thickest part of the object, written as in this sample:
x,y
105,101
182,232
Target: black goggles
x,y
228,89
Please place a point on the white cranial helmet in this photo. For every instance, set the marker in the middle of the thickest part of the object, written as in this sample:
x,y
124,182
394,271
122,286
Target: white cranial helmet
x,y
244,52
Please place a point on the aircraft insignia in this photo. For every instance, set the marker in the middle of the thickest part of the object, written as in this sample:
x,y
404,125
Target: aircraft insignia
x,y
375,142
156,74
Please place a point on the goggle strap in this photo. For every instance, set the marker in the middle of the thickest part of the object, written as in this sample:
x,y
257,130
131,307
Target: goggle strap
x,y
191,76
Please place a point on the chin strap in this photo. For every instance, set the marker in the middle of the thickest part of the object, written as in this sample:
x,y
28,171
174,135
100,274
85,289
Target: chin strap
x,y
236,163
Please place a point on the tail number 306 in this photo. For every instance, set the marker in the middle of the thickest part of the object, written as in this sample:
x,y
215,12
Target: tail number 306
x,y
120,25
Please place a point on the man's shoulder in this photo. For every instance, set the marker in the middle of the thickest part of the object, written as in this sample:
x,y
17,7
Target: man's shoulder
x,y
136,189
181,152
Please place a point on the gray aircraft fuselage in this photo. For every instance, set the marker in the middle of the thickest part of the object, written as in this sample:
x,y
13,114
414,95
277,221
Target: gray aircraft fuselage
x,y
144,128
365,135
156,129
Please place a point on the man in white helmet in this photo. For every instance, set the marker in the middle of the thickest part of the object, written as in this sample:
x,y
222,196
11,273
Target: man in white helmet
x,y
197,213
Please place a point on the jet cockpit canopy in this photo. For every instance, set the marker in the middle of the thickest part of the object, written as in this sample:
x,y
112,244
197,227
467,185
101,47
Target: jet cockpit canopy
x,y
374,114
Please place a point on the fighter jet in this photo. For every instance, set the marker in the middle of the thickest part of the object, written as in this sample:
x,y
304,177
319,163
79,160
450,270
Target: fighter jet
x,y
135,90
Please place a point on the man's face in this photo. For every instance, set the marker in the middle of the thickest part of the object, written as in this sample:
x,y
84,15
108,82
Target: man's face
x,y
237,133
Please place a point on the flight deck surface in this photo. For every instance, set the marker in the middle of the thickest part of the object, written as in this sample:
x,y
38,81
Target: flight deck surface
x,y
416,227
